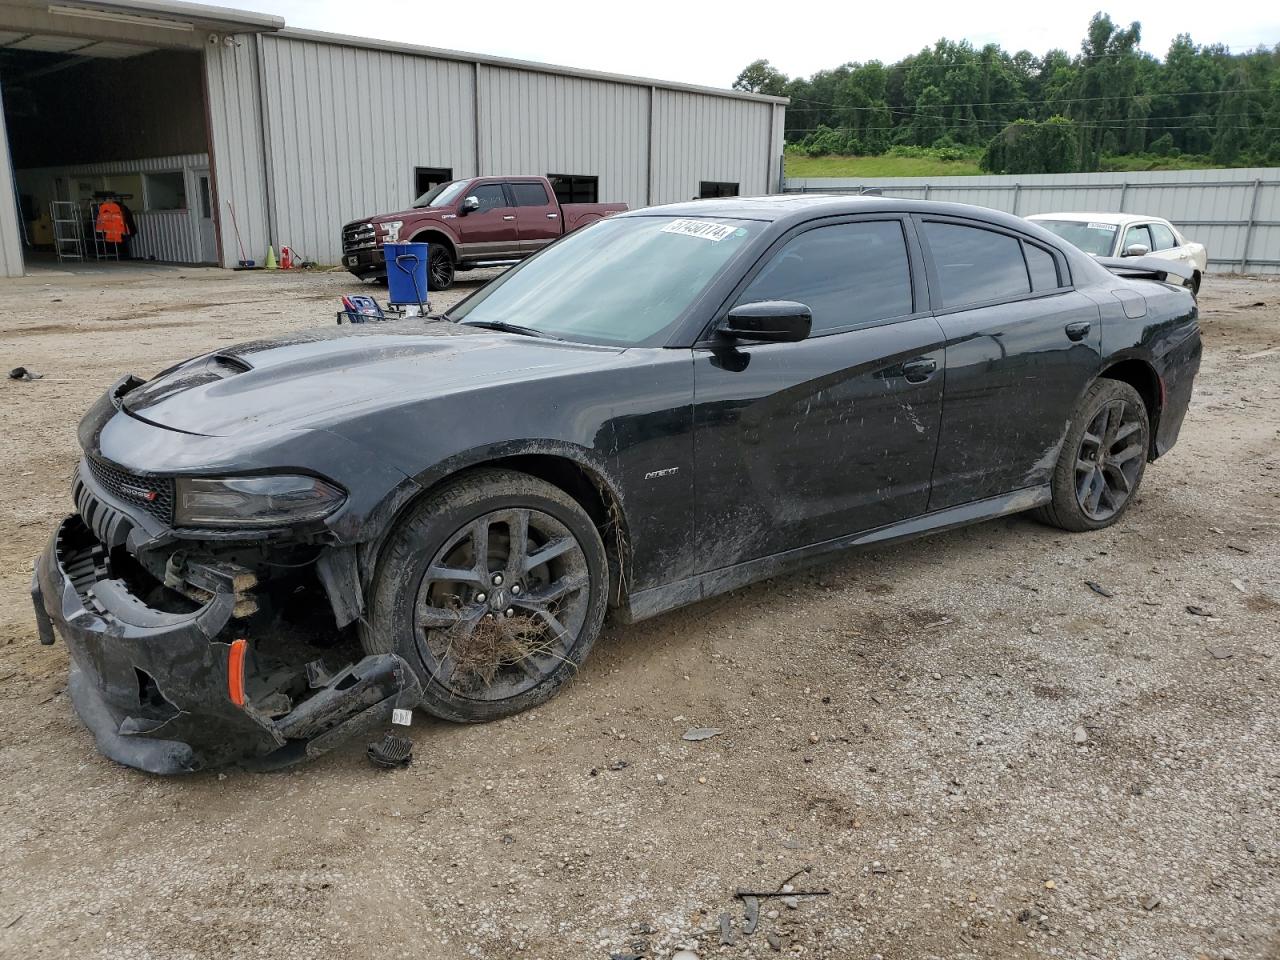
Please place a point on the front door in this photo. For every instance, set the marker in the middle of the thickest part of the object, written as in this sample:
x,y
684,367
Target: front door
x,y
1022,346
800,443
488,232
206,232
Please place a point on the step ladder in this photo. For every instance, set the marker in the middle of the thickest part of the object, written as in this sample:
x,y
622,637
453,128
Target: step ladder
x,y
68,231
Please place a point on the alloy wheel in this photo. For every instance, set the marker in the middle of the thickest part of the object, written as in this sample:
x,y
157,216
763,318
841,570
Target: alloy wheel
x,y
501,604
440,268
1110,458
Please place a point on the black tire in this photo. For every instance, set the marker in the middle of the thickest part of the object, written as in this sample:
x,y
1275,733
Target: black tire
x,y
440,267
1097,474
1195,284
502,652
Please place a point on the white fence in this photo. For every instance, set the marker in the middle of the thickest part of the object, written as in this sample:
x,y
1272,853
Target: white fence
x,y
1234,213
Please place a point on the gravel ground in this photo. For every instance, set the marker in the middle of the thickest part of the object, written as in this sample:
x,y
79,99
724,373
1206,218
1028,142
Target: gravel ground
x,y
972,752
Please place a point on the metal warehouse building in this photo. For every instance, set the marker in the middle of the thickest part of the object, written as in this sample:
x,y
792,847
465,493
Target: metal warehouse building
x,y
216,128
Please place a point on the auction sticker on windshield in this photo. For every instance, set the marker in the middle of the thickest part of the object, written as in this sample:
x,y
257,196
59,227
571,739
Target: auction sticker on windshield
x,y
1109,227
700,228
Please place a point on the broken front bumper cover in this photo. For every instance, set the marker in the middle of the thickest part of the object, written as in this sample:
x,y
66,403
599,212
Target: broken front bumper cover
x,y
153,686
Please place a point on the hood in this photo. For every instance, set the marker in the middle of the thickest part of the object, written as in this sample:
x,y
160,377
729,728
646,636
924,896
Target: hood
x,y
312,379
409,214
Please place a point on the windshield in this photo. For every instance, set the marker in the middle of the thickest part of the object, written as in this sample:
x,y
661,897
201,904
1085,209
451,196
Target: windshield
x,y
622,282
1090,236
442,194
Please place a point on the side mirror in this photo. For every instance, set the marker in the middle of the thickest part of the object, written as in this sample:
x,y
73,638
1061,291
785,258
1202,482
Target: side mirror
x,y
470,204
1136,250
774,321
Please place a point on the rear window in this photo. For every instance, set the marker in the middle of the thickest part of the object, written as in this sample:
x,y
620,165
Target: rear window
x,y
975,265
1042,267
529,194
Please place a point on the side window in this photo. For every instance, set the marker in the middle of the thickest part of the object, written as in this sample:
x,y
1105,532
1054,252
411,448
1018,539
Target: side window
x,y
1042,267
975,265
490,195
847,274
529,194
1163,237
1139,234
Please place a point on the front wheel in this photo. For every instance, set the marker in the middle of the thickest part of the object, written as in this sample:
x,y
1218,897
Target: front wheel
x,y
494,589
440,267
1102,460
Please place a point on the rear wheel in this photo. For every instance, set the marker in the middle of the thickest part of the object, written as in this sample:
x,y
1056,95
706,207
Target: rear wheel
x,y
439,267
1195,284
494,589
1102,459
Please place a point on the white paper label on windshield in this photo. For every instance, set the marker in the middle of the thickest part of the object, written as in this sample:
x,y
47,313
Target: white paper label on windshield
x,y
699,228
1109,227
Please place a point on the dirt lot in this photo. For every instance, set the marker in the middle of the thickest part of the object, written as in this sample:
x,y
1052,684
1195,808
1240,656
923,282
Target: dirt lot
x,y
905,723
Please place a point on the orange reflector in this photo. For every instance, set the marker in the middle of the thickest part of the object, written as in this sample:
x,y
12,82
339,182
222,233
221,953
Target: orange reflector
x,y
235,671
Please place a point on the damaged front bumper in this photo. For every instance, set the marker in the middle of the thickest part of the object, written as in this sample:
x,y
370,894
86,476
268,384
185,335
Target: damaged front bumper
x,y
161,691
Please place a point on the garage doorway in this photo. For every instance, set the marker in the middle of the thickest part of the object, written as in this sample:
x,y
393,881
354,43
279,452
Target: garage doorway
x,y
109,150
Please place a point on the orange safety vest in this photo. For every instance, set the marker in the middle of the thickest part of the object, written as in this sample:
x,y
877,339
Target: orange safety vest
x,y
111,223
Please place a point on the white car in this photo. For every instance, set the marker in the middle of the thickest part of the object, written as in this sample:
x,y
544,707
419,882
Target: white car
x,y
1126,235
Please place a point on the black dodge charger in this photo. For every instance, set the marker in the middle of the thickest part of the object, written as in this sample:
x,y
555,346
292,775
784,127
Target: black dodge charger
x,y
278,544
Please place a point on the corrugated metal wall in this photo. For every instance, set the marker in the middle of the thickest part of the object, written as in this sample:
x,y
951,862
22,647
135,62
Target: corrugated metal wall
x,y
10,235
539,123
235,137
699,137
345,123
345,128
1234,213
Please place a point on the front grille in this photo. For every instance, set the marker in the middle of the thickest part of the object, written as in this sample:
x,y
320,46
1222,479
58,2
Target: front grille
x,y
358,236
153,494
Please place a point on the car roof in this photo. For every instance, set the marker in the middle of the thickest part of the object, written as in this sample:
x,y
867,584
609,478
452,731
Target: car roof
x,y
1119,219
808,206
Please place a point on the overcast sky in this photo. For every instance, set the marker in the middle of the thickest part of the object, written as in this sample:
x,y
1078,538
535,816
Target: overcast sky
x,y
708,43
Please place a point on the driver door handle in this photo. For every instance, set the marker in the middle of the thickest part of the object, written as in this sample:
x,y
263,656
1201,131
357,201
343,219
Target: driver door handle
x,y
1078,331
509,217
918,371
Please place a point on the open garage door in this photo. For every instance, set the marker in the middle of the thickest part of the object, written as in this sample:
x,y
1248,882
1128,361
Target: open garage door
x,y
109,156
109,150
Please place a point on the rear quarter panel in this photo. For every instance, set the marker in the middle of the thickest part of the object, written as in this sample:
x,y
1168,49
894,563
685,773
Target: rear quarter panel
x,y
1166,337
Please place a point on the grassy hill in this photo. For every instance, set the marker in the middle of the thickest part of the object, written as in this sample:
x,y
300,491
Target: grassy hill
x,y
888,165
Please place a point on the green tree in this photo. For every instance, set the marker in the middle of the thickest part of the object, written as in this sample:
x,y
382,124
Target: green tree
x,y
1030,146
760,76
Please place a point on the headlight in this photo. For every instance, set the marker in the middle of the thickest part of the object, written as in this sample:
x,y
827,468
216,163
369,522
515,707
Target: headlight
x,y
391,230
253,501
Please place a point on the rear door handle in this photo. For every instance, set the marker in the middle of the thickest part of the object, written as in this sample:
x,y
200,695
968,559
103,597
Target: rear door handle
x,y
920,370
1079,330
552,216
508,217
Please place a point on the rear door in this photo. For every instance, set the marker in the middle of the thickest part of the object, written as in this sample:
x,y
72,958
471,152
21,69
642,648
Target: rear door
x,y
537,215
489,232
799,443
1165,244
1022,346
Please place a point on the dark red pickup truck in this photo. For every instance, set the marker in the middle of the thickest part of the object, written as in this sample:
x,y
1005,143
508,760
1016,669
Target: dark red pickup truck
x,y
468,223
